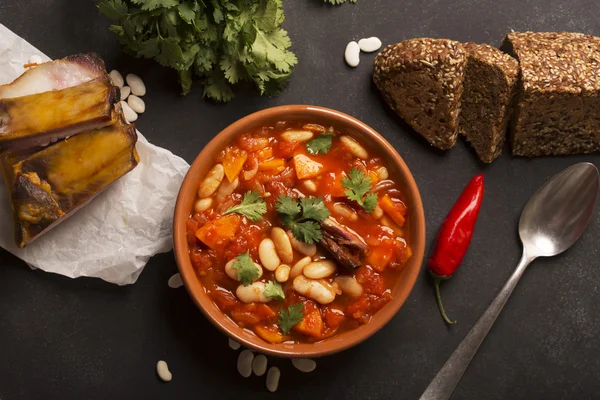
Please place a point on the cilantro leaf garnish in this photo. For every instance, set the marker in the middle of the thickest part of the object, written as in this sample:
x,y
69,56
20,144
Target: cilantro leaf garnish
x,y
303,217
320,145
221,42
252,206
357,186
273,290
247,271
290,317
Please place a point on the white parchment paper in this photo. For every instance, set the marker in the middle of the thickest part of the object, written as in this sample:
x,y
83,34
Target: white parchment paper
x,y
117,232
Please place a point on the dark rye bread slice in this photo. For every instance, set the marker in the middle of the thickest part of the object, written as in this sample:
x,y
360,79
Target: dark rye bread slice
x,y
489,86
421,80
558,102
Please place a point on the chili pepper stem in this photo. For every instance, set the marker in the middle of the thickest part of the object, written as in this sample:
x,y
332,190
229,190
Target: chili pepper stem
x,y
438,296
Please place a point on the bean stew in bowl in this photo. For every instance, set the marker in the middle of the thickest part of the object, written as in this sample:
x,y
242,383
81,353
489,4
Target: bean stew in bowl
x,y
299,231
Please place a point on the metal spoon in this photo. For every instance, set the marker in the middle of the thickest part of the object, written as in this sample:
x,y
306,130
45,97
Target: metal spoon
x,y
550,223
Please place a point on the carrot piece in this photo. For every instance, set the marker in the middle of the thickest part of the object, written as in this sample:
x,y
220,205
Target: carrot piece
x,y
265,154
312,323
233,162
374,177
395,209
379,257
220,231
305,167
275,165
333,317
270,333
386,221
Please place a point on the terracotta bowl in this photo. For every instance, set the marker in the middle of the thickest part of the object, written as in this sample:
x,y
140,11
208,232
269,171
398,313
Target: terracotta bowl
x,y
398,171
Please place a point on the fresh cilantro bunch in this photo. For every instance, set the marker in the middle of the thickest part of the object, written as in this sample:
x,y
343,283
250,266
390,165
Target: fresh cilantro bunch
x,y
223,42
247,272
303,217
357,186
288,317
252,206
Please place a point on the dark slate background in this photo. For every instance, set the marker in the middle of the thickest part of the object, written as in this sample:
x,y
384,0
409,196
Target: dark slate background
x,y
86,339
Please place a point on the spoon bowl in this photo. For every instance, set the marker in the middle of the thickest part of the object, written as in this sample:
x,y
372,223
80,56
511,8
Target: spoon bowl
x,y
557,214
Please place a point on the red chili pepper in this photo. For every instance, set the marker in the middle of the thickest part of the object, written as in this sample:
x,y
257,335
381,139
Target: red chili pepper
x,y
454,237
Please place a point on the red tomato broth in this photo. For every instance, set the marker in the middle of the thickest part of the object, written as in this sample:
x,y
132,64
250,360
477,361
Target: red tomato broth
x,y
321,321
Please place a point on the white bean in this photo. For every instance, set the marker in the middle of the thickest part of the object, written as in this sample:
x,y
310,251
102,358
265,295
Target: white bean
x,y
259,365
319,291
296,136
349,285
309,185
273,379
233,273
203,204
344,211
267,254
356,149
136,84
253,293
125,92
377,212
319,269
304,364
299,267
116,78
282,273
136,104
369,45
233,344
162,369
225,189
383,173
175,281
35,59
352,54
244,363
282,244
129,114
301,247
211,181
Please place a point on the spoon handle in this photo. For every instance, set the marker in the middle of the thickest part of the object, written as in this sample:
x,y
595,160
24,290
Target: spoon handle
x,y
445,381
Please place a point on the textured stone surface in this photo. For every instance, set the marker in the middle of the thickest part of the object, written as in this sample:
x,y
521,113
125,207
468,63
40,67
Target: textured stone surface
x,y
85,339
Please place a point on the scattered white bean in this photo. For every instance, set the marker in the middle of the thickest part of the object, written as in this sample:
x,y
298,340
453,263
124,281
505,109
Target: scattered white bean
x,y
175,281
136,84
383,173
233,344
259,365
352,54
203,204
162,369
129,114
349,285
273,379
356,149
125,92
136,104
253,293
244,363
369,45
267,254
233,273
35,59
319,269
296,136
344,211
282,273
301,247
282,244
299,267
319,291
211,181
116,78
377,212
309,185
225,189
304,364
